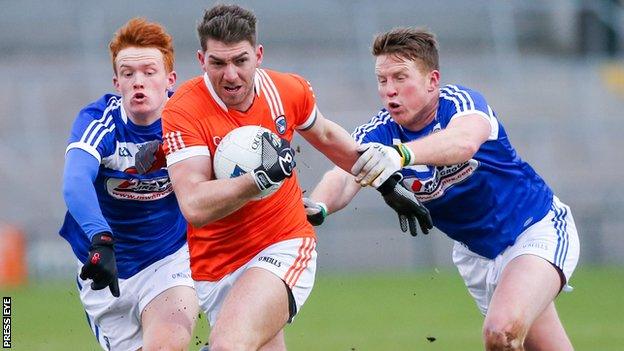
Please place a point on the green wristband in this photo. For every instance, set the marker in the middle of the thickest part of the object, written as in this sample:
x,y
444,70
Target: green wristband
x,y
405,152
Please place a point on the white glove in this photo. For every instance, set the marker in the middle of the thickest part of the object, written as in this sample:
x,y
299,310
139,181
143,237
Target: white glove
x,y
377,163
315,211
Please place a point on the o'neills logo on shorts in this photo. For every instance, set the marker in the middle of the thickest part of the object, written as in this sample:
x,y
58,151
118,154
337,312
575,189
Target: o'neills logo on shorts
x,y
270,260
139,189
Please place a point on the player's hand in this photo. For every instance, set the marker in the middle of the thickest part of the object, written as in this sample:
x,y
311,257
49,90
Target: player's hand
x,y
316,211
376,164
101,265
404,202
278,161
150,157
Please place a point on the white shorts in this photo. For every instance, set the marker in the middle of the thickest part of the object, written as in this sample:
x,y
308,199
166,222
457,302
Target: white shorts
x,y
554,239
293,261
116,322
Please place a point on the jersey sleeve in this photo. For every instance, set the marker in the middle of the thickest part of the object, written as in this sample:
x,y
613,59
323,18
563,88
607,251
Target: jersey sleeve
x,y
308,110
464,101
79,194
181,138
377,130
93,131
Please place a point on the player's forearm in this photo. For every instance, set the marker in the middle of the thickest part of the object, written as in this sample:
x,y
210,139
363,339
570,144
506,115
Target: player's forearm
x,y
440,150
79,194
334,142
336,189
456,144
207,201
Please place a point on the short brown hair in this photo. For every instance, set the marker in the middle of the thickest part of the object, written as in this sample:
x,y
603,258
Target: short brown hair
x,y
228,24
409,43
138,32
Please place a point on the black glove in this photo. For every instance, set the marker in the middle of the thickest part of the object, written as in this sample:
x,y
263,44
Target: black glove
x,y
405,203
316,211
150,157
101,265
278,161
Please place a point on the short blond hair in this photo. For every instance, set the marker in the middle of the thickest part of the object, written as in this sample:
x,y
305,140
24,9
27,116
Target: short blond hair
x,y
409,43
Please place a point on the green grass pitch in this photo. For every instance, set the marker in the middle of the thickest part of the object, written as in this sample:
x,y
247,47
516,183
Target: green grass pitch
x,y
422,310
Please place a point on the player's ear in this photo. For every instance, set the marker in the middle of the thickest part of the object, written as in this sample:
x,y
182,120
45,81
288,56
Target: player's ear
x,y
259,54
200,58
434,80
171,79
116,83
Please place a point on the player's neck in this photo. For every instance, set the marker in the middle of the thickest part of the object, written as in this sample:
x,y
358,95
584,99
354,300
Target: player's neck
x,y
143,118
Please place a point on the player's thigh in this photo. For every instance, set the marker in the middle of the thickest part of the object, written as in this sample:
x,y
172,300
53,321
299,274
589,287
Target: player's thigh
x,y
292,261
547,333
170,317
475,271
528,284
258,301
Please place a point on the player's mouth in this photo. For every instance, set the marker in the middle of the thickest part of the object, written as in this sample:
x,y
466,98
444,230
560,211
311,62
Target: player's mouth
x,y
232,89
393,106
139,97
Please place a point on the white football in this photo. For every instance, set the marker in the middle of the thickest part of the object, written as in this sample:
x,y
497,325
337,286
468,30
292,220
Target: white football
x,y
240,152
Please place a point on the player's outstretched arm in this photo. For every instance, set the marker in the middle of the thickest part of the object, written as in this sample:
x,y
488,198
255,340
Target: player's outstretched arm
x,y
81,170
333,141
457,143
334,192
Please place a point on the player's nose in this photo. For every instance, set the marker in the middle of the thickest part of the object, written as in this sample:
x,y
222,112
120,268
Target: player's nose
x,y
389,90
230,74
138,80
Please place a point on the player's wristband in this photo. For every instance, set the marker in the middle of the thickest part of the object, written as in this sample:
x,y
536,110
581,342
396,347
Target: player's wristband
x,y
407,156
323,208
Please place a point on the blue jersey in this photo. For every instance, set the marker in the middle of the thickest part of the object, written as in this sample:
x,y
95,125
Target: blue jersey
x,y
486,202
141,211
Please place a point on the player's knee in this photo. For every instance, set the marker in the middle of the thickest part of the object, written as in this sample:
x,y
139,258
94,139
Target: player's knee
x,y
228,342
507,336
177,338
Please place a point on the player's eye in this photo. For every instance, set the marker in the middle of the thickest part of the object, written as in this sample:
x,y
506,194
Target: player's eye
x,y
241,61
381,80
126,74
217,63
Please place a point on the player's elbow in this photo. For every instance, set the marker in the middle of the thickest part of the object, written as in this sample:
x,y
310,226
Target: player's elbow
x,y
469,149
465,150
70,190
193,215
195,218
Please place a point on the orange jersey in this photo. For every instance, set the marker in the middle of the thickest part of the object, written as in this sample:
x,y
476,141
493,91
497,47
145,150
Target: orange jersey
x,y
194,120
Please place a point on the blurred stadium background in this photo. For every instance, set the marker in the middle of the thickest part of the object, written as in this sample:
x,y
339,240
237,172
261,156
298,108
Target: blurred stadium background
x,y
552,70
